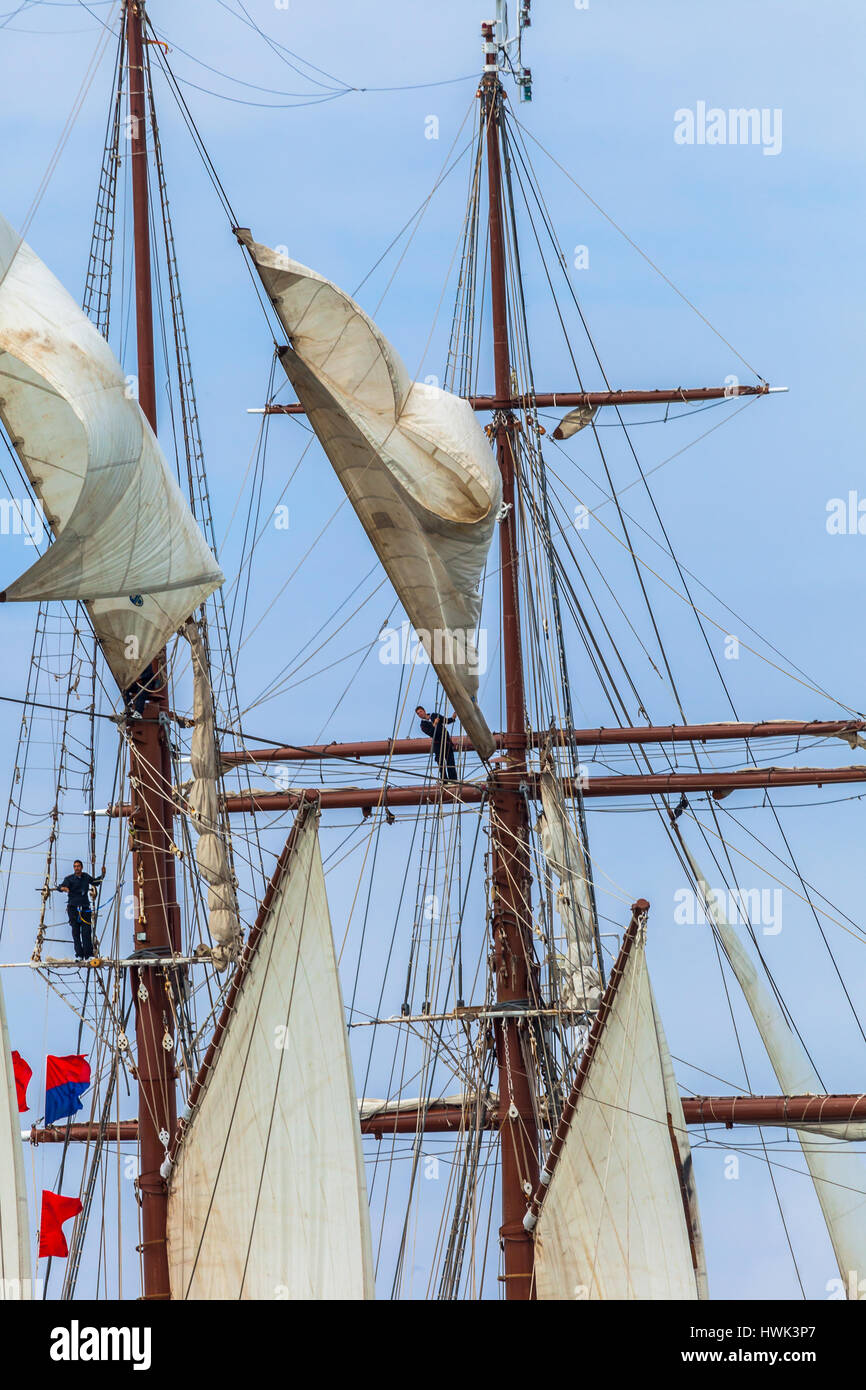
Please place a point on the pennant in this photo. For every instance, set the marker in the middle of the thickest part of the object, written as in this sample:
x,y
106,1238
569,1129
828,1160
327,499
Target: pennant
x,y
65,1080
55,1210
23,1074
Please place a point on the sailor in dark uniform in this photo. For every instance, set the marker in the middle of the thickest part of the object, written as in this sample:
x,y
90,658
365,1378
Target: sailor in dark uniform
x,y
434,726
144,688
79,909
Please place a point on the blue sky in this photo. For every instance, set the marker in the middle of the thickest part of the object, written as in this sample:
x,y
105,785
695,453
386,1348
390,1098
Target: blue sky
x,y
765,247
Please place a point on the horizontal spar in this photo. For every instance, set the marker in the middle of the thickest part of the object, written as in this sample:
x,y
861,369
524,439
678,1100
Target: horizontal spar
x,y
457,793
584,738
146,961
757,1110
119,1131
443,1117
556,399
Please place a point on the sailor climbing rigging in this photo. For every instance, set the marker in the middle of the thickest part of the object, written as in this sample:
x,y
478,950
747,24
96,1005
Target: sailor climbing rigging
x,y
79,909
433,725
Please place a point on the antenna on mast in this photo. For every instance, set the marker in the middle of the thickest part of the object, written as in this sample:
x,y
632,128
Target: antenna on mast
x,y
501,45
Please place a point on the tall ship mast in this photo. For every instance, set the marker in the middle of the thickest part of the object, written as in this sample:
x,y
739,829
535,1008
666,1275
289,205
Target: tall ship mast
x,y
367,1017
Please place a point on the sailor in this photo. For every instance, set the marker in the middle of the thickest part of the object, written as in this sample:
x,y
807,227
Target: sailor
x,y
78,908
433,725
136,695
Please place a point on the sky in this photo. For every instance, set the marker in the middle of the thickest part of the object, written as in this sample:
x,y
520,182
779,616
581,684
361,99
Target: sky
x,y
328,155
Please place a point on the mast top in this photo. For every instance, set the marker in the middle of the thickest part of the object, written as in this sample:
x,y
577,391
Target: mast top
x,y
503,52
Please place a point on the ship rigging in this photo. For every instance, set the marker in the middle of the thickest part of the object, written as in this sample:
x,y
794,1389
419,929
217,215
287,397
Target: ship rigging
x,y
509,1019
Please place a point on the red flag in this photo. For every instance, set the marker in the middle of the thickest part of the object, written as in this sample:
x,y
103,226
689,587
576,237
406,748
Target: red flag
x,y
55,1210
23,1074
60,1070
65,1080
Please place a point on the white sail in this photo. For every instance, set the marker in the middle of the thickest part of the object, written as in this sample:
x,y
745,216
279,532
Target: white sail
x,y
211,854
575,420
125,541
680,1133
14,1220
267,1197
854,1131
838,1173
413,459
612,1221
579,981
470,1102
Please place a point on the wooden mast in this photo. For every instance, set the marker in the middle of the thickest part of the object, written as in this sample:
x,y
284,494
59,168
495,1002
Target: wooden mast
x,y
677,395
509,822
157,927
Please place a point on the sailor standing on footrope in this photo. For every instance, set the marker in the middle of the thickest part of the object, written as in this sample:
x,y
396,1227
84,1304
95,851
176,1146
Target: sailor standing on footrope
x,y
433,725
79,909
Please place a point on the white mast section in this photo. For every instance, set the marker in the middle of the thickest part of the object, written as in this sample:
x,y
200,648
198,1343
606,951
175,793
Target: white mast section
x,y
14,1218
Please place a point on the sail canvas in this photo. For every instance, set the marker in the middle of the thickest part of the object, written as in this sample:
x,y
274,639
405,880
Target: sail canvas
x,y
267,1197
413,460
125,540
613,1220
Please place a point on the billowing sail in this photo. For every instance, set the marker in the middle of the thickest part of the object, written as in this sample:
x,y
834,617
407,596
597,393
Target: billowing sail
x,y
211,854
413,460
14,1223
838,1173
125,541
579,982
614,1216
267,1197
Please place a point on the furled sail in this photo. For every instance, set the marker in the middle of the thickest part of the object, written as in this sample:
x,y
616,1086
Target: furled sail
x,y
211,854
614,1220
838,1173
413,460
126,541
267,1197
470,1104
14,1222
575,420
853,1130
579,981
